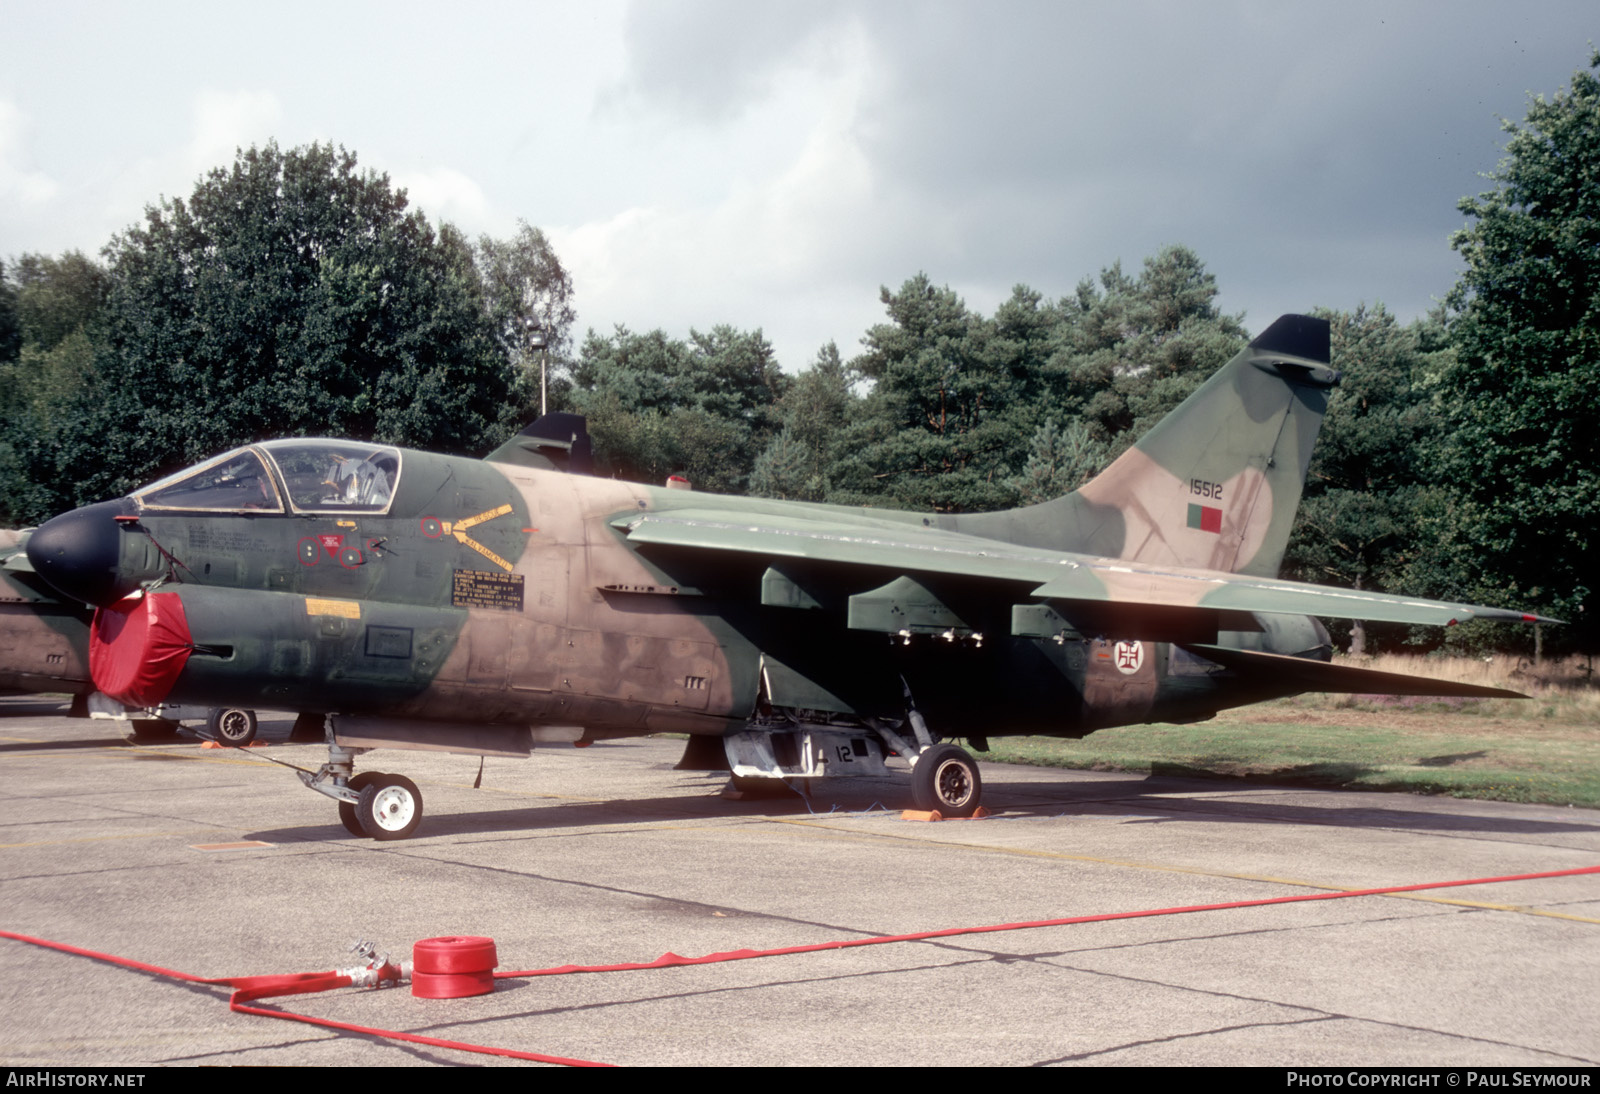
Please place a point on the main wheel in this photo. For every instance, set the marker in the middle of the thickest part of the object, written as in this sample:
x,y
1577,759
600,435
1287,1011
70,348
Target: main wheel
x,y
391,806
946,781
232,725
347,810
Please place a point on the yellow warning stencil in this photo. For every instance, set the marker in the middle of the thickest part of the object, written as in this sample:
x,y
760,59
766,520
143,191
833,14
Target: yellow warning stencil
x,y
344,609
457,531
481,517
485,552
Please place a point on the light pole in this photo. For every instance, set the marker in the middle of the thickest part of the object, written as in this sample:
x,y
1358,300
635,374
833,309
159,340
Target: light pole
x,y
536,340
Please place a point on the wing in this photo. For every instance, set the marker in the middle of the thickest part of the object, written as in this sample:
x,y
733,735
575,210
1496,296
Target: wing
x,y
1159,601
1310,675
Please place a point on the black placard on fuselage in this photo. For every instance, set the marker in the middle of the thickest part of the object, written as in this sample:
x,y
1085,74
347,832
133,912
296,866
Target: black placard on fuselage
x,y
485,589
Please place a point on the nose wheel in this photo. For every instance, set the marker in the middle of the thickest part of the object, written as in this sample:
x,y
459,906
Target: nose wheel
x,y
389,808
347,810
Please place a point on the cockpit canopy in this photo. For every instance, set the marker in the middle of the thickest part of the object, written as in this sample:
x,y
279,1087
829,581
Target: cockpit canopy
x,y
298,476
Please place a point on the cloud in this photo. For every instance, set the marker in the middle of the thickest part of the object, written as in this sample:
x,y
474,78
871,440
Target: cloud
x,y
220,124
445,194
19,184
1309,157
707,162
226,121
780,244
710,60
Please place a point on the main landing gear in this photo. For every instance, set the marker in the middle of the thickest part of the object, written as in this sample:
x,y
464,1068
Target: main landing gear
x,y
945,780
232,725
383,806
944,777
784,744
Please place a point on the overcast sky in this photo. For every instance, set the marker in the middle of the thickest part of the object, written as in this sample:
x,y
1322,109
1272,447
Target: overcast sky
x,y
772,164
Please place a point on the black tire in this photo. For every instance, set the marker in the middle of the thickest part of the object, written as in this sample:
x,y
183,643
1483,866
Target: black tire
x,y
232,725
151,730
347,810
946,781
390,808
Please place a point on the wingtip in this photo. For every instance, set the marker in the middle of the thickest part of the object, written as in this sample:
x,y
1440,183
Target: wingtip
x,y
1512,615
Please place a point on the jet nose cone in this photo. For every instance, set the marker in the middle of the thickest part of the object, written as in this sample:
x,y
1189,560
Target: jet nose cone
x,y
80,553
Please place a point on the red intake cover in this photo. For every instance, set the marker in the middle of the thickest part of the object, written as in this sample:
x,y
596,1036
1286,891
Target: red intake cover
x,y
138,646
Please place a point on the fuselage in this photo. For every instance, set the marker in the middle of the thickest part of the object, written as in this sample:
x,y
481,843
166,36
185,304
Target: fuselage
x,y
356,578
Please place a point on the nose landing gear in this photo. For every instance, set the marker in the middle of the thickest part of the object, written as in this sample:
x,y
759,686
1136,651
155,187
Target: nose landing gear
x,y
375,804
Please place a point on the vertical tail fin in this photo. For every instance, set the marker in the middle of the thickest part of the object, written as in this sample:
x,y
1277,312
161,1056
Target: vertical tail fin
x,y
1216,483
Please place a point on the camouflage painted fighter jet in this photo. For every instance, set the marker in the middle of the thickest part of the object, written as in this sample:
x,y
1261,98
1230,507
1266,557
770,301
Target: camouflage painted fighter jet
x,y
426,601
44,639
44,647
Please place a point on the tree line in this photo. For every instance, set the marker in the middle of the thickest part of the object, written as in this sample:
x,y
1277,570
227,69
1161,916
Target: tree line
x,y
293,293
290,294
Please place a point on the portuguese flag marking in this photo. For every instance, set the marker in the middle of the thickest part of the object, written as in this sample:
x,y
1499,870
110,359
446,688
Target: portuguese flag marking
x,y
1205,518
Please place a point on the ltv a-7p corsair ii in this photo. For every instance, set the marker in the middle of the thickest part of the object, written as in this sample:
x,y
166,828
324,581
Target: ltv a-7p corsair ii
x,y
484,607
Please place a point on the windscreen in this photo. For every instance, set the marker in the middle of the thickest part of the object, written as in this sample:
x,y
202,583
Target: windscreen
x,y
236,481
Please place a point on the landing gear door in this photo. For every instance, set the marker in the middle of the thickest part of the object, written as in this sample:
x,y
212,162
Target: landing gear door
x,y
804,752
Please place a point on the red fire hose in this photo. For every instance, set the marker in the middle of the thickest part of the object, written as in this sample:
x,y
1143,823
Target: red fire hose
x,y
458,962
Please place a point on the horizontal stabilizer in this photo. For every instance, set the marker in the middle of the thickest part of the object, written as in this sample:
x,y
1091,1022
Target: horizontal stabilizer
x,y
1307,675
25,587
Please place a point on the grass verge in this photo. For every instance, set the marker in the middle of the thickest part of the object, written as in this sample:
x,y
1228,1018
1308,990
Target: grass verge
x,y
1545,749
1332,754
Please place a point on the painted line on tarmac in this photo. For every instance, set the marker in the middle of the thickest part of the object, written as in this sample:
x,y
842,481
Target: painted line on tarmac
x,y
1173,868
510,793
107,839
143,753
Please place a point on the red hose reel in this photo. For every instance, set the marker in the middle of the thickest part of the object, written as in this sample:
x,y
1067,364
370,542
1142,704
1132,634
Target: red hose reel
x,y
453,967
